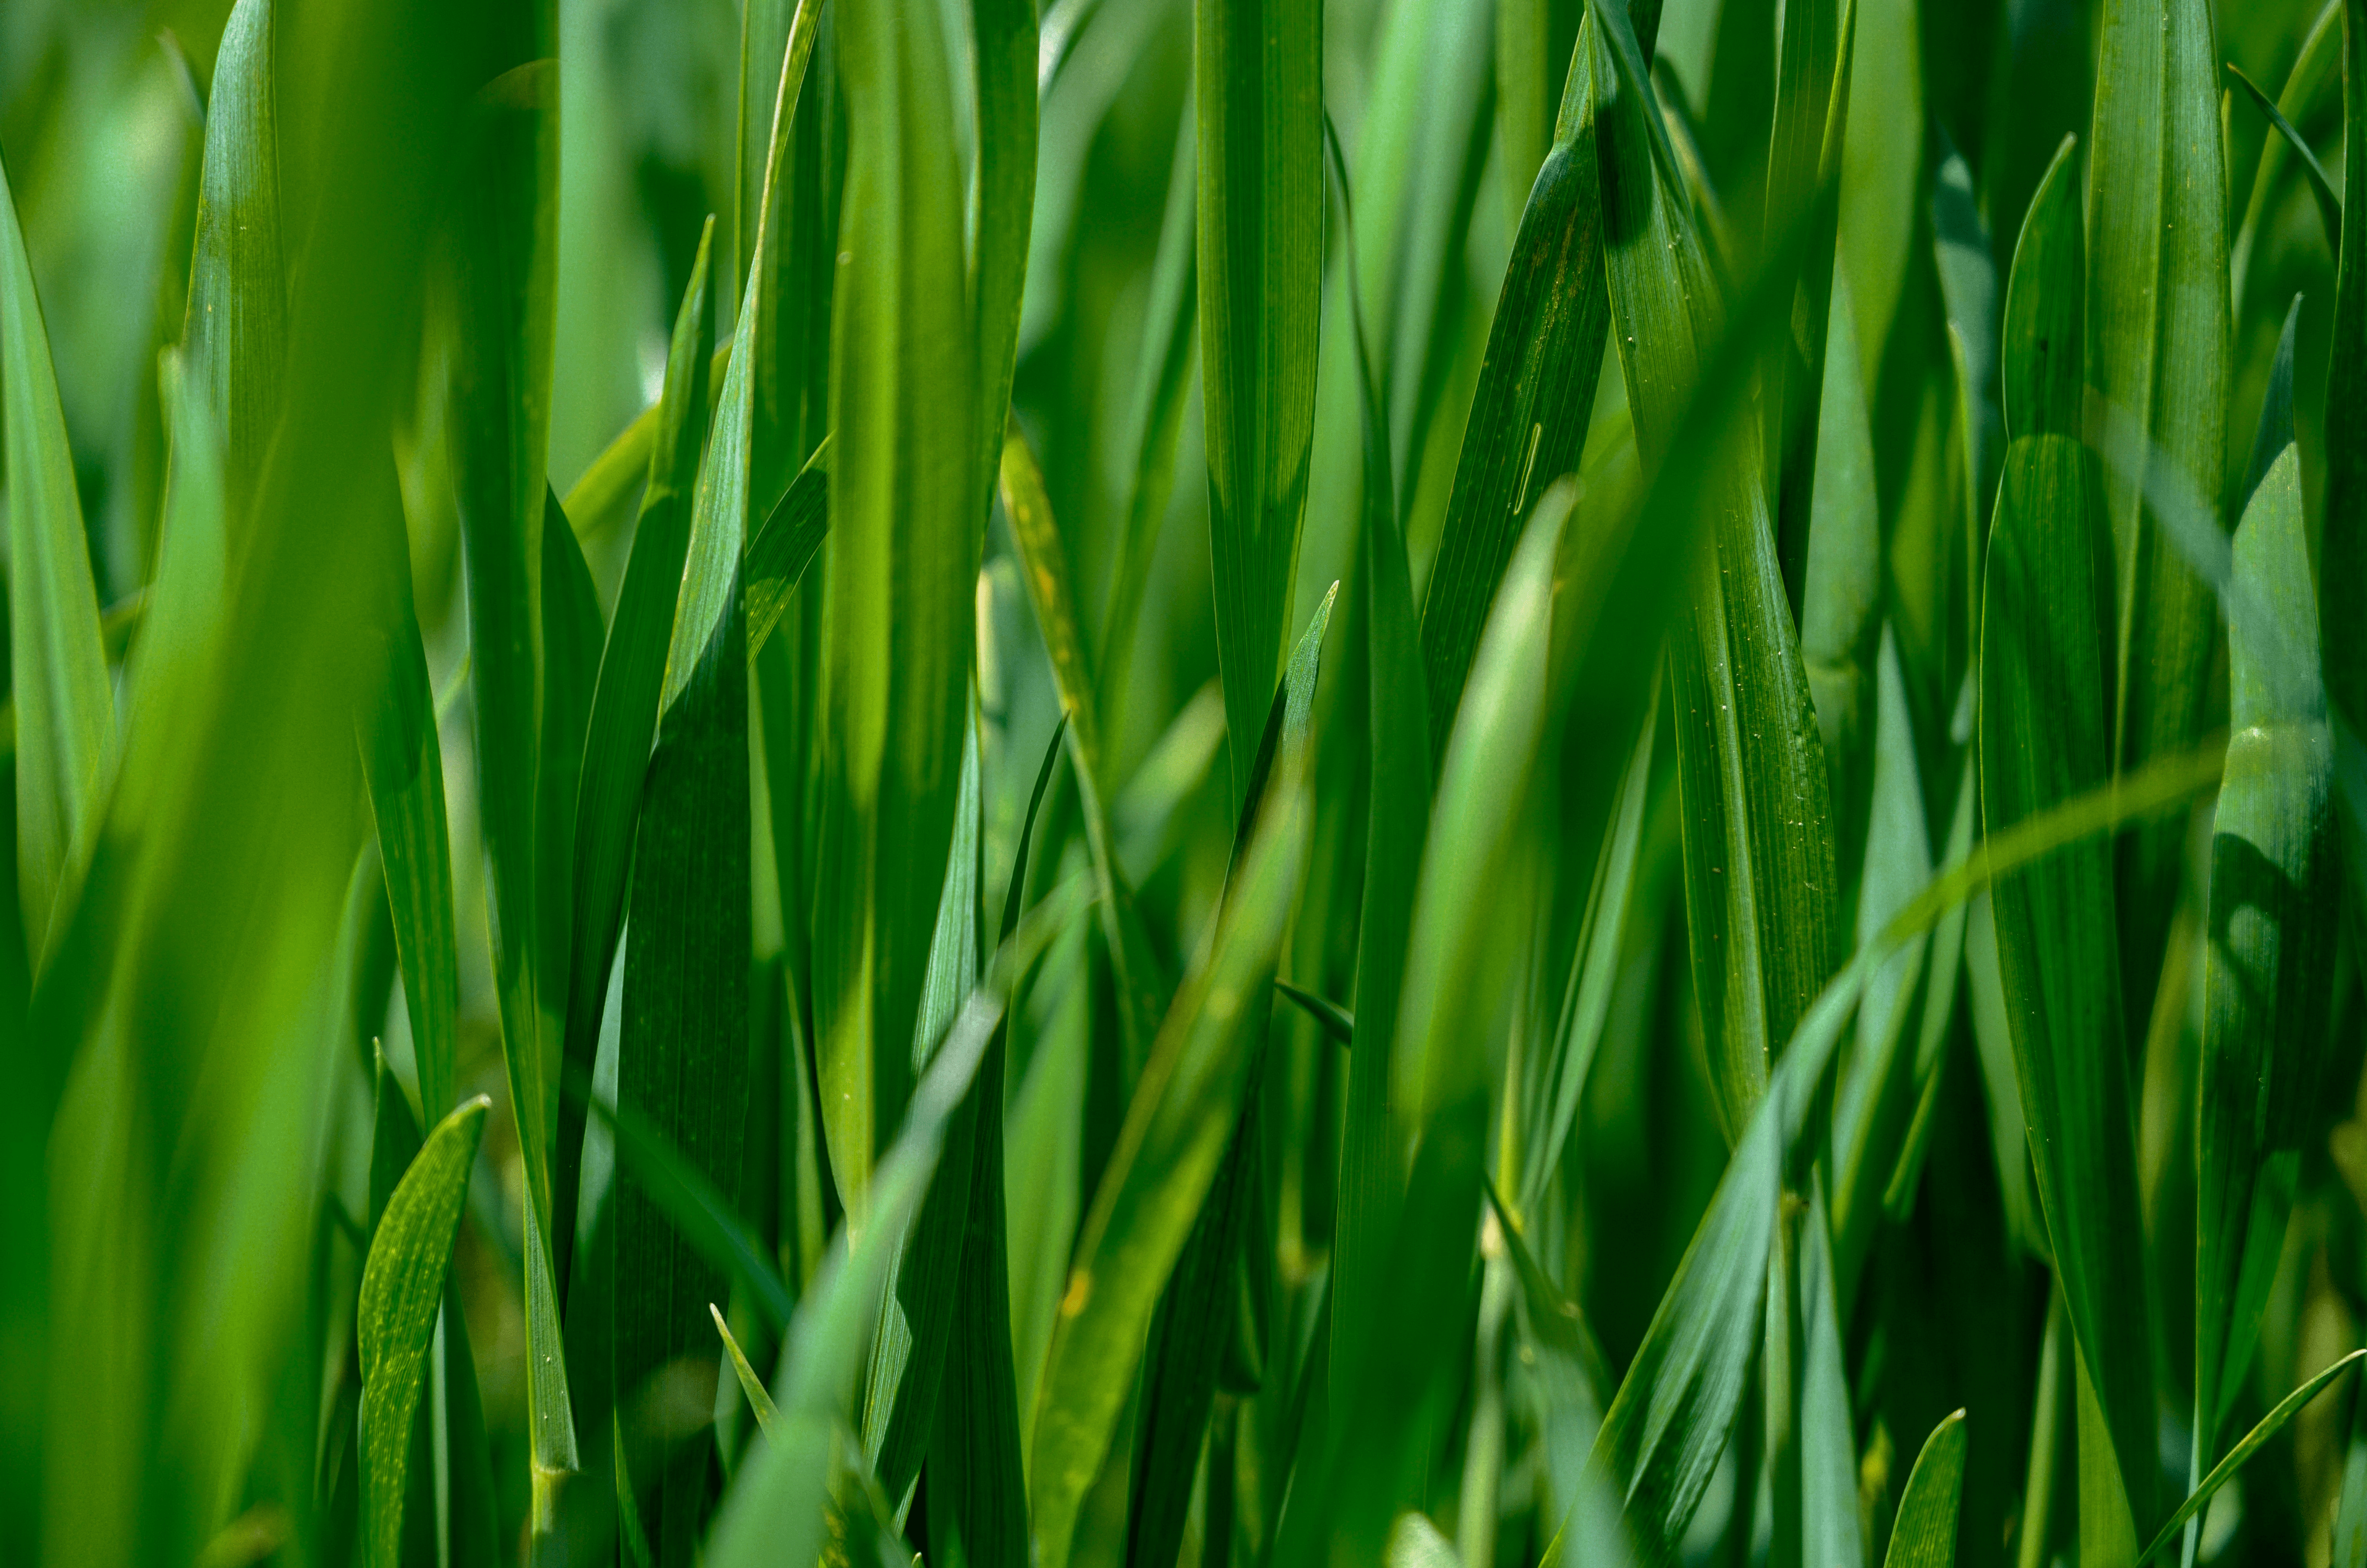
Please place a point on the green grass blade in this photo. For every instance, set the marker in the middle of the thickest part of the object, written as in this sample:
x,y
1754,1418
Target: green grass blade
x,y
2316,73
2274,925
1536,394
1164,1161
1334,1020
1829,1531
750,1385
2342,557
785,544
1004,39
2044,739
901,565
1260,105
572,636
2157,334
1761,891
624,712
65,708
235,335
2225,1471
1924,1534
2329,204
402,1285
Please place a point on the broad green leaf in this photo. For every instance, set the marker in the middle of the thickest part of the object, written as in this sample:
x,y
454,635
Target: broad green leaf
x,y
1762,891
65,706
1197,1327
1259,100
1924,1533
235,334
623,721
401,1285
2274,925
2044,740
1165,1158
1534,396
908,512
2156,332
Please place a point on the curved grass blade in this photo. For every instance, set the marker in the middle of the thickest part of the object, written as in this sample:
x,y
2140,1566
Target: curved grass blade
x,y
624,713
65,708
1924,1534
1762,891
2225,1471
603,496
2321,187
1259,97
2044,739
2156,333
1329,1016
907,507
1534,397
2275,925
402,1283
2317,70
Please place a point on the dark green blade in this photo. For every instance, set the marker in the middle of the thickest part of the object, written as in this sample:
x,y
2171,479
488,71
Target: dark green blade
x,y
2321,187
1260,105
2044,739
1924,1534
783,545
2342,558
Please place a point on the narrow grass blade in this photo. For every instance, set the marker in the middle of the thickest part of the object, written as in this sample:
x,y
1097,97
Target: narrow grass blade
x,y
65,708
1924,1533
1164,1160
235,333
624,712
2274,925
2156,336
1003,43
1195,1335
908,515
1260,105
2321,187
750,1385
1535,394
2254,1440
2316,71
1761,891
572,636
783,545
608,493
1334,1020
2044,739
1828,1527
402,1285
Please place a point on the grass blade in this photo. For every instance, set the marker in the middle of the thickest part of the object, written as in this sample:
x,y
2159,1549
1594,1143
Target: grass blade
x,y
2158,325
402,1285
1924,1534
2044,739
750,1385
65,709
1260,105
785,545
2342,557
2225,1471
623,720
2329,204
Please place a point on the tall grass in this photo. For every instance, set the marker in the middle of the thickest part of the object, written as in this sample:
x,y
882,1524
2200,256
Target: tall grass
x,y
1247,783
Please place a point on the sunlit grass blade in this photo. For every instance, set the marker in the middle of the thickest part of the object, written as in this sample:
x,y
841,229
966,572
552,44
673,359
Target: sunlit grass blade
x,y
1924,1533
908,512
65,706
2044,739
1535,394
750,1385
236,333
2157,334
1166,1155
783,545
401,1287
623,714
1259,99
2274,925
1761,891
1194,1337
